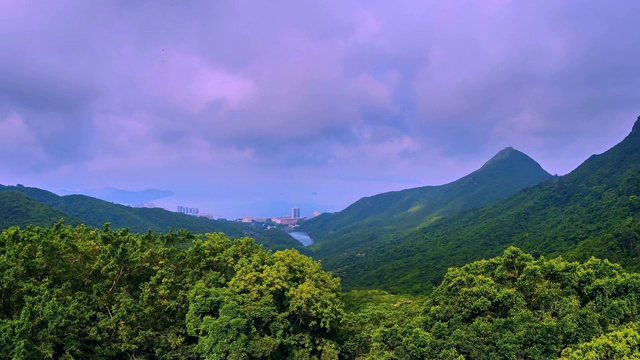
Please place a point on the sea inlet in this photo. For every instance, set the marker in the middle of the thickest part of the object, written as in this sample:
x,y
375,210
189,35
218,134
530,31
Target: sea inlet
x,y
302,236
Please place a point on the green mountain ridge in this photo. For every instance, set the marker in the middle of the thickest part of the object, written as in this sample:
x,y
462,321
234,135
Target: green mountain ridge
x,y
18,209
384,216
592,211
40,207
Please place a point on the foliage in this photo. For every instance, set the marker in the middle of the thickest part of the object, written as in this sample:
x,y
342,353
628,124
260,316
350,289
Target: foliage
x,y
509,307
514,307
618,344
104,294
378,324
278,306
80,292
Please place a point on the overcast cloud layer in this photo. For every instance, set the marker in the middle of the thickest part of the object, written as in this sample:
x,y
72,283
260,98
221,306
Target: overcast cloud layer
x,y
251,107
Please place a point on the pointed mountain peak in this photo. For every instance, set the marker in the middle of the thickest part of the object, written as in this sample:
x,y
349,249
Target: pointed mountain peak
x,y
507,153
510,163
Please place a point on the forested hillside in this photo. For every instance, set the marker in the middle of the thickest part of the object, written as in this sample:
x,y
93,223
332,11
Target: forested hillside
x,y
594,210
41,207
384,216
17,209
103,294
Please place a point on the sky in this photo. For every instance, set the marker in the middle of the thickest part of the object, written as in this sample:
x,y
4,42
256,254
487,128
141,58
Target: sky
x,y
248,108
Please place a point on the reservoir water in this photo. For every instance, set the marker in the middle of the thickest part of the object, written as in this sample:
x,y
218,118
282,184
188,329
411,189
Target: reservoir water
x,y
303,237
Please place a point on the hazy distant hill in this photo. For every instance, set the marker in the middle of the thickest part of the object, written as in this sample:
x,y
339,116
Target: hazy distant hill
x,y
593,211
379,217
41,207
120,196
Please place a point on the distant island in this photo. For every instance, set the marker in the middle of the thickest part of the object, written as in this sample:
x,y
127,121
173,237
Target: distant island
x,y
124,197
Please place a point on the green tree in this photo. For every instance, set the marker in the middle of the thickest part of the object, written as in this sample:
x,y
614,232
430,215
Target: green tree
x,y
515,307
278,305
615,345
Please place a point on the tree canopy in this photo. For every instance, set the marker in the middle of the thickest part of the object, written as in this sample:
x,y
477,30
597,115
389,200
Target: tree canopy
x,y
85,293
104,294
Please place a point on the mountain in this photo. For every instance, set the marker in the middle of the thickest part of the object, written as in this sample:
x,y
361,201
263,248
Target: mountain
x,y
592,211
21,205
383,216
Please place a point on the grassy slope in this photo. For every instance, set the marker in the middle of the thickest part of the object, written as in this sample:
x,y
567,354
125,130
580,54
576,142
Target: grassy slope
x,y
384,217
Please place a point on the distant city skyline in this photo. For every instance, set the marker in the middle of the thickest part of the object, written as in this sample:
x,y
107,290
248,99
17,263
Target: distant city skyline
x,y
188,210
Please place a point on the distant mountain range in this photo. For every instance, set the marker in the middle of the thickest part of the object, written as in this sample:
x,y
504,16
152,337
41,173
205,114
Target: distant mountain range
x,y
22,206
592,211
119,196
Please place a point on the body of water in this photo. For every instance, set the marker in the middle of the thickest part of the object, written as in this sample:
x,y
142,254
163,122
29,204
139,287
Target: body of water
x,y
303,237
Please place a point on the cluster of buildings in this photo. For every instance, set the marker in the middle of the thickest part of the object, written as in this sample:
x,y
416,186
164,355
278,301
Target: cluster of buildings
x,y
188,210
193,212
291,220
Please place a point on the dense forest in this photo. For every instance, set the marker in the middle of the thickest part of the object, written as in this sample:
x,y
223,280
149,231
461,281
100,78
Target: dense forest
x,y
80,292
86,293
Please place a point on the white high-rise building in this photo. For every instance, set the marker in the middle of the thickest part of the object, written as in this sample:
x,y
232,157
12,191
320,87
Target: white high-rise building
x,y
295,213
188,210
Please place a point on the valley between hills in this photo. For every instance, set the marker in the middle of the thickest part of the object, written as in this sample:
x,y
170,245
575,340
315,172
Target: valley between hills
x,y
508,262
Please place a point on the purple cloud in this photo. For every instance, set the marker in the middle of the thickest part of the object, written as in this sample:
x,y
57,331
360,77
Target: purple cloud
x,y
217,99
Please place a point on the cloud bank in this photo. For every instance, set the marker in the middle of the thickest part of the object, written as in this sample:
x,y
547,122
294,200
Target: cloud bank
x,y
239,105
